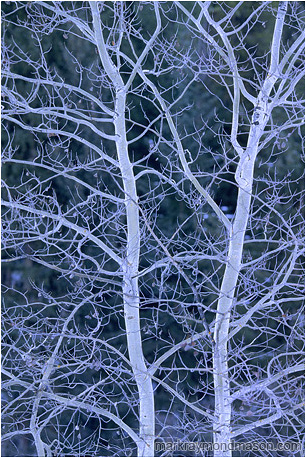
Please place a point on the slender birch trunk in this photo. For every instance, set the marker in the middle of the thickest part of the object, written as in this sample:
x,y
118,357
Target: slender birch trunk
x,y
131,263
244,179
221,373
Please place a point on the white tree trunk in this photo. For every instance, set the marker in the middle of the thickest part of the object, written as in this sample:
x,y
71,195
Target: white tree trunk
x,y
131,264
244,179
222,433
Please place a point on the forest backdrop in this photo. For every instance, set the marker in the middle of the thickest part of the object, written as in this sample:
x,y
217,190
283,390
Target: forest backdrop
x,y
152,279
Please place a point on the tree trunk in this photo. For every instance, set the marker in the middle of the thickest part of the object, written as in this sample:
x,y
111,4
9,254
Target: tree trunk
x,y
131,263
244,179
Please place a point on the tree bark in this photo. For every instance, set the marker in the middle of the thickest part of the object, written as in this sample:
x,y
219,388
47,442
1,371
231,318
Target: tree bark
x,y
131,263
244,179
